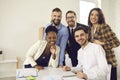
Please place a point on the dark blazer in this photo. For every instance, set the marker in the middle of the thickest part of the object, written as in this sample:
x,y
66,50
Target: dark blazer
x,y
72,47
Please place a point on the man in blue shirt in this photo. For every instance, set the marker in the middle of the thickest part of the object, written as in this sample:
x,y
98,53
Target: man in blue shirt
x,y
62,32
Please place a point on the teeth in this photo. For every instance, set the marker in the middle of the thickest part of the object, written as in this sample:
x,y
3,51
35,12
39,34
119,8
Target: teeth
x,y
94,19
51,42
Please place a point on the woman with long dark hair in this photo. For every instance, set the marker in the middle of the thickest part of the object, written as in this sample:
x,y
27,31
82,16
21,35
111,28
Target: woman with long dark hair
x,y
102,34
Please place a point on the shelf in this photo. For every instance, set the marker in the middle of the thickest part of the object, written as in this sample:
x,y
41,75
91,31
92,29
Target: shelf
x,y
5,74
8,61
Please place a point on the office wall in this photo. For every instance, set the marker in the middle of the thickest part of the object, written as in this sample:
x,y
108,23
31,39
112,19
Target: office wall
x,y
20,21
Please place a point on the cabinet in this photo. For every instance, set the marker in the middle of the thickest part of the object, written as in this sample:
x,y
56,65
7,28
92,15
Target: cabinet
x,y
8,68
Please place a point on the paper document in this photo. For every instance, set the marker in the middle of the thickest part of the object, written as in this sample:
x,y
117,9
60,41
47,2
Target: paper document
x,y
67,74
27,72
71,78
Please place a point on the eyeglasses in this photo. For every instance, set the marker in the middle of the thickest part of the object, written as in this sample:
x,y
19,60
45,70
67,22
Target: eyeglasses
x,y
72,17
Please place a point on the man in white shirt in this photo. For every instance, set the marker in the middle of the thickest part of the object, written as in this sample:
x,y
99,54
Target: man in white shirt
x,y
92,64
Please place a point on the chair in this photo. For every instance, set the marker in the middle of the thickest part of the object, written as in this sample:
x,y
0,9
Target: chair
x,y
41,32
109,73
68,60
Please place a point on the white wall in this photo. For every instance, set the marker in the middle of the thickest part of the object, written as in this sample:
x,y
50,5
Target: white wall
x,y
20,21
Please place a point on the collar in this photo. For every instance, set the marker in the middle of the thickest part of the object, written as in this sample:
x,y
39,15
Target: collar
x,y
58,26
73,27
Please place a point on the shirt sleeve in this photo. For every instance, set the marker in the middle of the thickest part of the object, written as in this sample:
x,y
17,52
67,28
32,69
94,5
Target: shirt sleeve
x,y
31,52
79,67
111,39
99,71
54,62
63,43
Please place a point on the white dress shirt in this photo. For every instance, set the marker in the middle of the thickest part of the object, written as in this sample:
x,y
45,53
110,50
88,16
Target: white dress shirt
x,y
92,62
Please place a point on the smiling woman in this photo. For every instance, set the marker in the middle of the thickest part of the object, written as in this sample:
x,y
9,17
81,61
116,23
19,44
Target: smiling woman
x,y
45,52
102,34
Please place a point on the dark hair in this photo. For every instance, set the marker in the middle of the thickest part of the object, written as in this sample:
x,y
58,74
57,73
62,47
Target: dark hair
x,y
101,19
56,10
51,29
70,11
83,27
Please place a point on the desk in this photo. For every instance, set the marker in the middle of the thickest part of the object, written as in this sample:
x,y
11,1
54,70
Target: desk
x,y
51,74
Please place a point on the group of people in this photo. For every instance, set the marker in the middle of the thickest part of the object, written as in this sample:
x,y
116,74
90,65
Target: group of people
x,y
89,47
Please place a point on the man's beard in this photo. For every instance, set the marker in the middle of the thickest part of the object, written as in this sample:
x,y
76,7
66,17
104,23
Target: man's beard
x,y
56,23
84,43
72,25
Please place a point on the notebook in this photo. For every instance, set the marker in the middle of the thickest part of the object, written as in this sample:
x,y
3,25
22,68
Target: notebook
x,y
27,72
71,78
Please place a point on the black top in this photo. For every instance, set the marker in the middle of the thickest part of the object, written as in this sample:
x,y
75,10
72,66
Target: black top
x,y
43,60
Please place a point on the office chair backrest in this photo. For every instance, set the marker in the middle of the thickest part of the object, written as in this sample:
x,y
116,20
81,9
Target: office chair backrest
x,y
41,32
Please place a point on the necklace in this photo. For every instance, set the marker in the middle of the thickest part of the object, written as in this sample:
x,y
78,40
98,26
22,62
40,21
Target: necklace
x,y
43,57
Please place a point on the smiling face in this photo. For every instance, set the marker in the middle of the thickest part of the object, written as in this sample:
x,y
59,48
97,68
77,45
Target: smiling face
x,y
71,19
81,37
56,17
51,38
94,16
